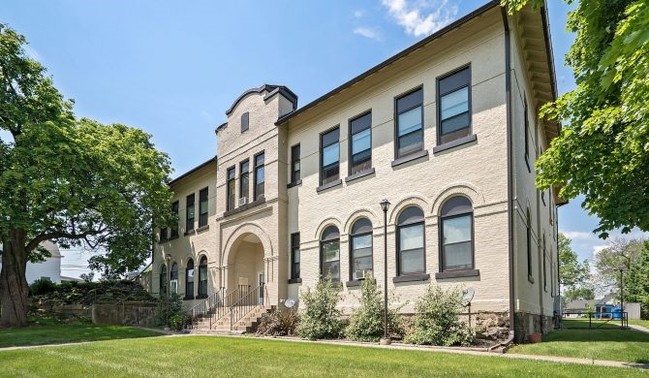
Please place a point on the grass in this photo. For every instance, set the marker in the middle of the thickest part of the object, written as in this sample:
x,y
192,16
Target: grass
x,y
203,356
601,344
643,323
55,333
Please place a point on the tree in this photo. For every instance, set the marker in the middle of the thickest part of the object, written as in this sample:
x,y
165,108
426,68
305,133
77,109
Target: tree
x,y
619,253
602,151
71,181
572,274
636,283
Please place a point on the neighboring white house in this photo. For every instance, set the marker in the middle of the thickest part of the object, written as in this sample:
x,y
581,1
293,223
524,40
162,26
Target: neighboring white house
x,y
50,268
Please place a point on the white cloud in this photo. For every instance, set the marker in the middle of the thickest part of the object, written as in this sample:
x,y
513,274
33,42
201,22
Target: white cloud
x,y
359,13
579,235
598,248
422,17
370,33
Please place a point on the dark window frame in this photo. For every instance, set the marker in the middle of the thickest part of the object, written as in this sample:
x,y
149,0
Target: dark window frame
x,y
190,203
244,174
355,234
528,218
350,137
438,102
526,126
202,277
322,147
245,122
396,121
173,273
230,192
295,252
173,232
295,164
545,268
401,226
189,286
259,167
163,280
442,244
203,207
323,242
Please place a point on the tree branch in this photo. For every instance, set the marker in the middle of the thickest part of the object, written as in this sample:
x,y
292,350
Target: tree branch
x,y
60,234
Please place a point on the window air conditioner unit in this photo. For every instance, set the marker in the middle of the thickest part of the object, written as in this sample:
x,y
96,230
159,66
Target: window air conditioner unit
x,y
359,275
173,286
243,201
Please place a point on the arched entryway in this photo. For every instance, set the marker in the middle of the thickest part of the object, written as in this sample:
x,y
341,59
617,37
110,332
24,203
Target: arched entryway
x,y
246,270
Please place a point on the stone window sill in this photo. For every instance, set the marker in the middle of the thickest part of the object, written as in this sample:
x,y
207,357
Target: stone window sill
x,y
354,283
190,232
455,143
329,185
458,273
361,174
411,277
294,184
203,228
295,280
245,207
409,158
188,297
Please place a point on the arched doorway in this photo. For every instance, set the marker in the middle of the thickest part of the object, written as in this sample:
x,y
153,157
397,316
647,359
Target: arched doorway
x,y
246,277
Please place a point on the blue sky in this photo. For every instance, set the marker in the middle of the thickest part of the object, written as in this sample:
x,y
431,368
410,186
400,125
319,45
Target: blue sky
x,y
172,68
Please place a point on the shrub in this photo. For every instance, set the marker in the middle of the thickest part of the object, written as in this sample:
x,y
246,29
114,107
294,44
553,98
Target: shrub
x,y
279,323
42,286
366,322
320,319
437,321
169,313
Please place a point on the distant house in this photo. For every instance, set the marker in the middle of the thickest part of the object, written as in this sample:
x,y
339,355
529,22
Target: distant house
x,y
49,269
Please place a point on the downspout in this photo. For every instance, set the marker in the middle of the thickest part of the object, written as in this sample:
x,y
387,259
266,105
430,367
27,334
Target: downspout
x,y
510,177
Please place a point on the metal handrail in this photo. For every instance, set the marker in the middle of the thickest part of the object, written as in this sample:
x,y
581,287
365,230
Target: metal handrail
x,y
228,300
247,303
204,307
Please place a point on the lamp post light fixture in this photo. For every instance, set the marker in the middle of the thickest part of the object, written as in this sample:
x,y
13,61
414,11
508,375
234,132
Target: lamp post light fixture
x,y
385,204
622,268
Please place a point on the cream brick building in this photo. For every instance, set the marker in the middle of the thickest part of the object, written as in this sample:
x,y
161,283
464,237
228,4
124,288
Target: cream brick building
x,y
447,131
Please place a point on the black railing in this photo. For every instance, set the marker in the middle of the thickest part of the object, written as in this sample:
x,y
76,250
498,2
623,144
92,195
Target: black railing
x,y
207,306
594,320
248,302
233,297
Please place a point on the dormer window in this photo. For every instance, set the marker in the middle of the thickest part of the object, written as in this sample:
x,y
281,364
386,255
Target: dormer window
x,y
245,122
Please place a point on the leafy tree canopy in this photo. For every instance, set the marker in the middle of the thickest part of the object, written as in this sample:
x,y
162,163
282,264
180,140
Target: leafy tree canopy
x,y
620,253
603,149
74,181
572,273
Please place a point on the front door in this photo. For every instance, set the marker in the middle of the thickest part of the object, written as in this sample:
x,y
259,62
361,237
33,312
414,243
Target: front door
x,y
262,288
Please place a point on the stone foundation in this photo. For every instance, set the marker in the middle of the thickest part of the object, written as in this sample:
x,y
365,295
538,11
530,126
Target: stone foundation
x,y
527,324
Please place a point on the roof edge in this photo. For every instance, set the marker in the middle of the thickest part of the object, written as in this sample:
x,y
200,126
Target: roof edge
x,y
192,171
264,88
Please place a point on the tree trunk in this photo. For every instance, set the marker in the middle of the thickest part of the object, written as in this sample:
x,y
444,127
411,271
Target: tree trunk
x,y
13,283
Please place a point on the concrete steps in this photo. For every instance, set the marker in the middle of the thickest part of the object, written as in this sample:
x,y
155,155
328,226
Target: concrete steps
x,y
246,324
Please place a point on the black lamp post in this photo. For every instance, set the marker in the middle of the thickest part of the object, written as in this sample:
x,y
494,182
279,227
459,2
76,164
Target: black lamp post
x,y
385,204
622,268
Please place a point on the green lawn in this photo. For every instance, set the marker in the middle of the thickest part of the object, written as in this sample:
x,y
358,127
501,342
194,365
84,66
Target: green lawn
x,y
594,323
643,323
203,356
601,344
50,333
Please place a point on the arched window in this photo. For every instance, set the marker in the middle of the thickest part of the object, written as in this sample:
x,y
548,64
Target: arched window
x,y
330,253
202,278
189,280
360,247
456,230
410,244
163,280
173,284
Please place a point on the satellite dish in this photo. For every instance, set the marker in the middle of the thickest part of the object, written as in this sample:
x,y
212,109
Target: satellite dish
x,y
467,296
289,303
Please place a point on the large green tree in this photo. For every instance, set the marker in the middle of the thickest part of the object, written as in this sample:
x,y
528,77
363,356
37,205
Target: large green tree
x,y
68,180
574,276
620,253
602,151
636,283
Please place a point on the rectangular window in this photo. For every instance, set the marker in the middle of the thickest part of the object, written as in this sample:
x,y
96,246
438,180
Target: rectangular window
x,y
526,127
174,229
295,164
164,231
295,255
245,121
202,207
457,243
244,179
259,176
360,143
529,247
329,156
410,123
231,195
190,212
454,106
411,249
330,251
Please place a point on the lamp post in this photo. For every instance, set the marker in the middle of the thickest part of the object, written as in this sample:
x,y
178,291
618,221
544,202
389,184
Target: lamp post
x,y
385,204
622,268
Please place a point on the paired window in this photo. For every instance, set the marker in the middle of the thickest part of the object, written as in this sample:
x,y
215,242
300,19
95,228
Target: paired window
x,y
259,176
410,123
163,280
295,164
231,195
202,277
174,229
189,280
360,143
245,121
410,242
202,207
295,255
457,234
361,249
528,218
454,110
329,156
244,179
330,254
190,212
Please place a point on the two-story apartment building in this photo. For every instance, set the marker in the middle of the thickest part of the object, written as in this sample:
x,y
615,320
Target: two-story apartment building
x,y
447,131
